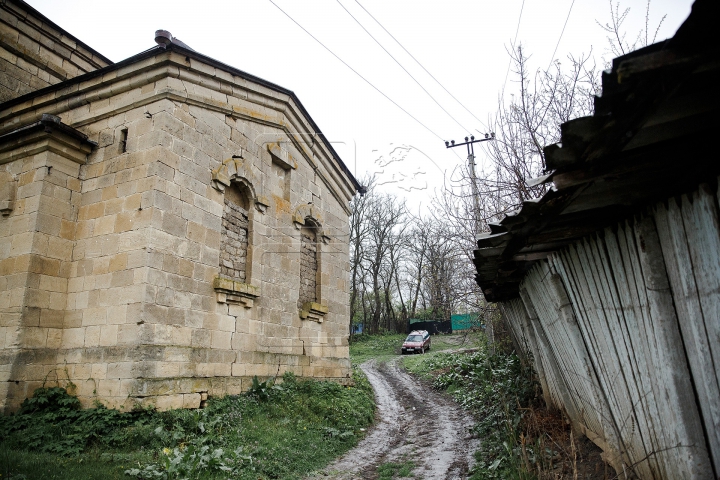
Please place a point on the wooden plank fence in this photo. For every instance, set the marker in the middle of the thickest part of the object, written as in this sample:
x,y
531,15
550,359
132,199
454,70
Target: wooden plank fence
x,y
624,331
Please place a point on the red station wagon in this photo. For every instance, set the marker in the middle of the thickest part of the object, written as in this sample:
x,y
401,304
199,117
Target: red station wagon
x,y
417,342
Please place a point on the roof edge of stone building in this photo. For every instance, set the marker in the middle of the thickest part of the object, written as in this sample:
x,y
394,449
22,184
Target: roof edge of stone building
x,y
646,142
47,122
200,57
27,7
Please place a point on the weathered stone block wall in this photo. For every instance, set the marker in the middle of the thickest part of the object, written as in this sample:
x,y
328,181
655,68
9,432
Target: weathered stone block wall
x,y
148,314
35,53
36,246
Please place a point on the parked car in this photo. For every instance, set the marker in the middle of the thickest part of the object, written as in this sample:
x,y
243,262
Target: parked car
x,y
417,342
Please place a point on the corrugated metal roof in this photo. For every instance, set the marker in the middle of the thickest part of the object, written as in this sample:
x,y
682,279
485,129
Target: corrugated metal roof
x,y
651,137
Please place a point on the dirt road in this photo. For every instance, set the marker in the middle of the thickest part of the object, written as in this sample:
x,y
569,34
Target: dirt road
x,y
414,423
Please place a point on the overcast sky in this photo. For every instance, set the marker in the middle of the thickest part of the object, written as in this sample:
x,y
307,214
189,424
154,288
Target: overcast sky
x,y
461,43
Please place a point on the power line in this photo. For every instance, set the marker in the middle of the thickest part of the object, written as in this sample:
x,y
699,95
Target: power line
x,y
356,72
507,72
404,69
561,34
421,65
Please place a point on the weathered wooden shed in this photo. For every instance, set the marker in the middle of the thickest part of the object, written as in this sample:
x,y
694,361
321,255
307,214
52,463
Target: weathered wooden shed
x,y
611,280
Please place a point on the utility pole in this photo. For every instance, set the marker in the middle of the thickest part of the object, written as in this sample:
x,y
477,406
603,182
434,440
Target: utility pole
x,y
473,179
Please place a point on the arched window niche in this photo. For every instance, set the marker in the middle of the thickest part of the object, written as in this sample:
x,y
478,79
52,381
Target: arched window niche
x,y
312,237
234,283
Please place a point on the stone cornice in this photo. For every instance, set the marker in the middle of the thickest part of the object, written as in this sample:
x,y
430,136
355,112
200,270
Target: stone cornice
x,y
48,134
198,85
229,90
313,311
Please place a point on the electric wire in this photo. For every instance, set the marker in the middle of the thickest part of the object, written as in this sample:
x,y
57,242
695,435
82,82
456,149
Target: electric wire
x,y
552,58
420,64
507,72
404,69
356,72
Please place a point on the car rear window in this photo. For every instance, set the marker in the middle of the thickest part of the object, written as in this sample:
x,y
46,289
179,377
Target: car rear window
x,y
414,338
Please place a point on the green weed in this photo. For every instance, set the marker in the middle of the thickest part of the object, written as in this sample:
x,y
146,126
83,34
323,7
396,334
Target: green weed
x,y
384,347
389,471
278,431
379,347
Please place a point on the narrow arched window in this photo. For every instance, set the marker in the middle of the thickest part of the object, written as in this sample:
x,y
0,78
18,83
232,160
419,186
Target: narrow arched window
x,y
308,265
234,243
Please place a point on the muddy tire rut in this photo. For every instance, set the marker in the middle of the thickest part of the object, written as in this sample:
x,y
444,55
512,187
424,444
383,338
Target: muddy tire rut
x,y
413,423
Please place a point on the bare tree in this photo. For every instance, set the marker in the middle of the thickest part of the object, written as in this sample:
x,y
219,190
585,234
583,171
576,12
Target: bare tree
x,y
358,232
377,226
386,214
530,121
617,37
523,125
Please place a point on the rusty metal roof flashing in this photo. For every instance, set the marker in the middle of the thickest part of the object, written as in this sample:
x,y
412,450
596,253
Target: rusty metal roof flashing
x,y
651,138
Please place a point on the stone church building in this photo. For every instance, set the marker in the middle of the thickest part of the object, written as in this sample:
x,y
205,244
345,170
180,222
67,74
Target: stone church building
x,y
170,226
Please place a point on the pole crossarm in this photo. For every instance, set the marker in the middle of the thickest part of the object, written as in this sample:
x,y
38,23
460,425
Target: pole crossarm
x,y
470,141
473,179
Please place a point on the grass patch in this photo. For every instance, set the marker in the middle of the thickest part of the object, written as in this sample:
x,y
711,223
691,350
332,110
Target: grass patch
x,y
384,347
275,431
380,347
422,364
389,471
17,464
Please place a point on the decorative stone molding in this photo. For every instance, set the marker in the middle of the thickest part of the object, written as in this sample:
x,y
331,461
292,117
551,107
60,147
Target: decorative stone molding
x,y
281,156
235,169
309,211
313,311
8,189
233,292
262,203
47,134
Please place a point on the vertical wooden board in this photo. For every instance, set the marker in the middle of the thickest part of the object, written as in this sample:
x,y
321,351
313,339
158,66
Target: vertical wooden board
x,y
594,335
620,395
690,455
552,369
514,314
703,232
547,317
523,323
553,391
585,314
583,373
631,259
533,345
603,416
681,273
567,329
513,322
634,426
629,305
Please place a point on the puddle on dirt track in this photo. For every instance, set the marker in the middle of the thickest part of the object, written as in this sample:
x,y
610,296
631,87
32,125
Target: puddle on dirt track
x,y
414,424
